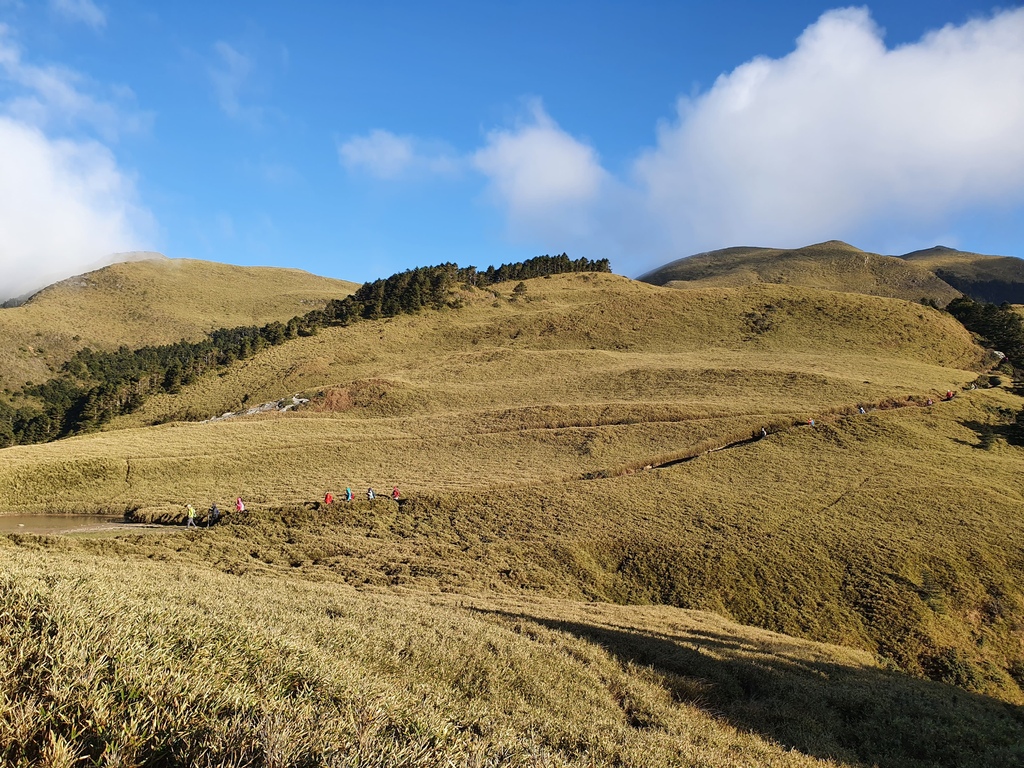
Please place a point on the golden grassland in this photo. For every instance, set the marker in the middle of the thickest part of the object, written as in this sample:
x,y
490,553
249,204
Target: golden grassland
x,y
166,660
509,611
581,325
898,532
149,302
591,374
833,265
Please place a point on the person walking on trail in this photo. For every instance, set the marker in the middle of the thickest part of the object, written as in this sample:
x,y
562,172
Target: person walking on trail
x,y
214,515
810,422
764,432
239,505
949,394
328,499
348,494
370,495
190,512
394,493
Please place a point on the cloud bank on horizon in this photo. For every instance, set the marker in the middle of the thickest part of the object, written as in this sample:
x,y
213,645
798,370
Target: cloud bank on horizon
x,y
841,138
65,204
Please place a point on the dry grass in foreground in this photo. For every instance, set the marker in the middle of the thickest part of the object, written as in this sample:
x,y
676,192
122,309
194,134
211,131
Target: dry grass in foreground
x,y
130,661
842,533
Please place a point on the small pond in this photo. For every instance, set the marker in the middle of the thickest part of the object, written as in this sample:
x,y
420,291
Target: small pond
x,y
56,523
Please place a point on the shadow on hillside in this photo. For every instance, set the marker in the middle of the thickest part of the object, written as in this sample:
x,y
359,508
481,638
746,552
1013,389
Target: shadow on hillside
x,y
1012,433
823,709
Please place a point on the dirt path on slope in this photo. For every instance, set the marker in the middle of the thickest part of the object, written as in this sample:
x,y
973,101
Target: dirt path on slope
x,y
812,423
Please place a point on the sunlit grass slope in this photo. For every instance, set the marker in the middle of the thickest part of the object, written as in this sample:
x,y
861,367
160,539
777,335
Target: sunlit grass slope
x,y
586,374
167,659
988,278
898,531
149,302
469,624
833,265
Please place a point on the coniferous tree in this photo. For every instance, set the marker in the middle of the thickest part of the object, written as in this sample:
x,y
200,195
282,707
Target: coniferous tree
x,y
94,387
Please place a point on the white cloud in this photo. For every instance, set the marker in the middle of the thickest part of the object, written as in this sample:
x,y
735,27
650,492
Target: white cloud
x,y
842,138
58,98
844,135
84,11
230,76
242,75
379,153
64,202
385,155
550,184
63,206
545,179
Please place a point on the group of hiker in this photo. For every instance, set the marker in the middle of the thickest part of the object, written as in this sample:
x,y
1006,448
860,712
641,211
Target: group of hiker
x,y
950,394
212,516
370,495
215,514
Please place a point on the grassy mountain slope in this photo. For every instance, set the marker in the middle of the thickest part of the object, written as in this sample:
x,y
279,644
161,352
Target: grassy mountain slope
x,y
114,258
995,279
589,341
894,533
586,374
832,265
157,301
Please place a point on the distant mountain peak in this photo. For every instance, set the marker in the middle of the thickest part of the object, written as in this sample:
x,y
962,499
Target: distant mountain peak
x,y
831,265
44,280
935,250
833,244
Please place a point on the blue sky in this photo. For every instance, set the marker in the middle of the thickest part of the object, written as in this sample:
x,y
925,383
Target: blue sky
x,y
356,140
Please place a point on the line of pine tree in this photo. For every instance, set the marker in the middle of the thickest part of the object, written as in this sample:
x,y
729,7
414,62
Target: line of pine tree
x,y
998,324
94,387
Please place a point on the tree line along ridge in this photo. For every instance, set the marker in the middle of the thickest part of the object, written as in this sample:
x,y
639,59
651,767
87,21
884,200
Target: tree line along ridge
x,y
94,387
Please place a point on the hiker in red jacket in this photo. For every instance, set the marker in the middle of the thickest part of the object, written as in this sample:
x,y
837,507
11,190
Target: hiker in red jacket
x,y
328,499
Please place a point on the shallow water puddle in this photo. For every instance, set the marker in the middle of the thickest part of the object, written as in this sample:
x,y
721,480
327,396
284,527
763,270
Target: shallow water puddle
x,y
55,523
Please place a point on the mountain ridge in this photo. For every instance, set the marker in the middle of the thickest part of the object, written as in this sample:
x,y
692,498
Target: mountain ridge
x,y
148,301
995,279
936,274
830,265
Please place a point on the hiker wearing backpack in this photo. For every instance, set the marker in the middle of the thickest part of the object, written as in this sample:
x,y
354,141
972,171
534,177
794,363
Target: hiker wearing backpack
x,y
190,512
